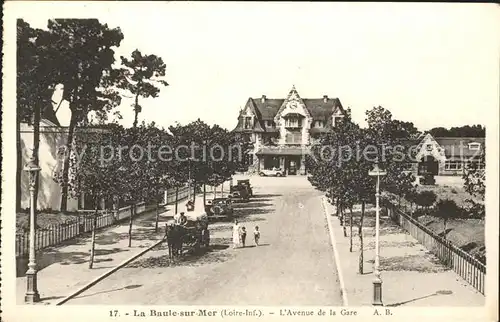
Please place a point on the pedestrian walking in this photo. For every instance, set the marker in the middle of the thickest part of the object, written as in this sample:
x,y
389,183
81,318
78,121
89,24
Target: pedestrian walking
x,y
243,235
256,235
236,234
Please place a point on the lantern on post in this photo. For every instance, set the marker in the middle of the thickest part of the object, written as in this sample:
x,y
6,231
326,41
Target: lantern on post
x,y
377,282
32,294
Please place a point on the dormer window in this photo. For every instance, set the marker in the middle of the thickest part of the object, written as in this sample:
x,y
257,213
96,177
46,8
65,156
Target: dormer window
x,y
319,124
247,123
474,146
293,122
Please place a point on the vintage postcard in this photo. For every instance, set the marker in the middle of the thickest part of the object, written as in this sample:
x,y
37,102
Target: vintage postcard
x,y
249,161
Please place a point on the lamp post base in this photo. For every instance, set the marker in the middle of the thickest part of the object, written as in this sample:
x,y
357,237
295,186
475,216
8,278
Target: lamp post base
x,y
32,295
377,292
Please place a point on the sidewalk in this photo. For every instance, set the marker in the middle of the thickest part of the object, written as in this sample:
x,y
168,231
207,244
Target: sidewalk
x,y
64,269
411,276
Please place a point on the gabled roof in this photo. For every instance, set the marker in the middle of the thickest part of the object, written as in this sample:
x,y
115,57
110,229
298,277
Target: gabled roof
x,y
459,146
265,109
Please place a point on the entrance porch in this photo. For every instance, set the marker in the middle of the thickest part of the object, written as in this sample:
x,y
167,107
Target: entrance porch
x,y
291,160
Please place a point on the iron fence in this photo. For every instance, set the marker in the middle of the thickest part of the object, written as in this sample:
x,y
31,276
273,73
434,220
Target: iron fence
x,y
463,263
57,234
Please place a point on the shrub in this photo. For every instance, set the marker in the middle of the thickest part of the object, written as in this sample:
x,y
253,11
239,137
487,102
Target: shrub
x,y
447,209
425,198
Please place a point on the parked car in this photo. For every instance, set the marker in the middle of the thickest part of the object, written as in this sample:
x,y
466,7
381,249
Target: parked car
x,y
246,183
274,172
220,207
239,193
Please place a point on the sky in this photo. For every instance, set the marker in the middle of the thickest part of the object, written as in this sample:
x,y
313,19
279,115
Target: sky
x,y
433,64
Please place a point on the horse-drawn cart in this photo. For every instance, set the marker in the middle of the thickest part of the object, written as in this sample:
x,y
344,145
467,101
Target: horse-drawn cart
x,y
194,234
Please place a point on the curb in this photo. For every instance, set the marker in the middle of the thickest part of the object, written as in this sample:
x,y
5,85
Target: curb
x,y
335,254
108,273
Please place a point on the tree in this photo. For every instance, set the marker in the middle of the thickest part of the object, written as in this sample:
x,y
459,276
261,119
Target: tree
x,y
140,76
425,199
81,57
93,172
475,184
137,177
34,89
447,209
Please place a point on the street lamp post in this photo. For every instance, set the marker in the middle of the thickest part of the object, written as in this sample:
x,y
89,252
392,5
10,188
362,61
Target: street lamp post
x,y
377,282
32,294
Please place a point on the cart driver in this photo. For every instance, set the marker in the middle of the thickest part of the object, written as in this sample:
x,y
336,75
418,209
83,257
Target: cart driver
x,y
182,219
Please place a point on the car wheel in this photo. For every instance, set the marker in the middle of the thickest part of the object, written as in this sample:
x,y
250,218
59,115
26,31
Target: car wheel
x,y
262,174
278,174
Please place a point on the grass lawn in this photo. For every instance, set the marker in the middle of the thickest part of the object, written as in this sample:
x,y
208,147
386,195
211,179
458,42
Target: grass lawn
x,y
44,220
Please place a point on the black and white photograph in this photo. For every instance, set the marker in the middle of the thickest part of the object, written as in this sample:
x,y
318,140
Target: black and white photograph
x,y
260,160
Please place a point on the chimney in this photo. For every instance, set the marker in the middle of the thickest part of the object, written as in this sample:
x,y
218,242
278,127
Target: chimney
x,y
325,98
263,98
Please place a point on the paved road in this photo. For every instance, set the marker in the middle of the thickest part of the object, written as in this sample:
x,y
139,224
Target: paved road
x,y
293,266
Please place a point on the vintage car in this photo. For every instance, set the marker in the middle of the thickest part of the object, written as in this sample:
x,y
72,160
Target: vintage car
x,y
246,183
274,172
220,207
239,193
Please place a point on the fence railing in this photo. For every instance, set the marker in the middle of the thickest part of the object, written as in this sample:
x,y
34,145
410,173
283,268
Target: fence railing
x,y
57,234
464,264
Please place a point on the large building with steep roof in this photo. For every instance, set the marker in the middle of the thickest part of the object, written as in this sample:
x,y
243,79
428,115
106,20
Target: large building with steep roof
x,y
282,130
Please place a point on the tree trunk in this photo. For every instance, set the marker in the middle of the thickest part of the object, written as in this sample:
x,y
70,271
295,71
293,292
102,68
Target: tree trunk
x,y
136,110
157,216
19,163
69,143
360,233
204,194
344,228
444,224
176,199
94,225
132,212
222,190
350,233
194,194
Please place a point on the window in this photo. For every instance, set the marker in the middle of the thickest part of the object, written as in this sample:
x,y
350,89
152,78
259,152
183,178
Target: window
x,y
428,147
270,123
247,122
319,124
293,122
453,165
337,120
293,138
474,146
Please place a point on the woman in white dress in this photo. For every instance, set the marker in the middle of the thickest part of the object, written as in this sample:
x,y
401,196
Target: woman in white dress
x,y
236,234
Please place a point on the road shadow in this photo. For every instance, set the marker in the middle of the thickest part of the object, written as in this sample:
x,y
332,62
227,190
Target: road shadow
x,y
56,256
260,199
214,254
252,205
440,292
243,212
128,287
266,195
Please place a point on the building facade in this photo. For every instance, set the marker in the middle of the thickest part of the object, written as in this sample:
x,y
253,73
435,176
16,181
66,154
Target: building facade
x,y
446,156
282,130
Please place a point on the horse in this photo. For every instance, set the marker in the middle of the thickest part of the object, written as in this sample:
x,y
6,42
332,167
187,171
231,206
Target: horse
x,y
174,234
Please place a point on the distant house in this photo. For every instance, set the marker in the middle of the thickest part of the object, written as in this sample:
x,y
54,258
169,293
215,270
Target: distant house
x,y
282,130
446,156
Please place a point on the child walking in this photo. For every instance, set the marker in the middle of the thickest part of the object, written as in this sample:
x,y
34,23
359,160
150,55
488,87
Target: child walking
x,y
243,235
256,235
